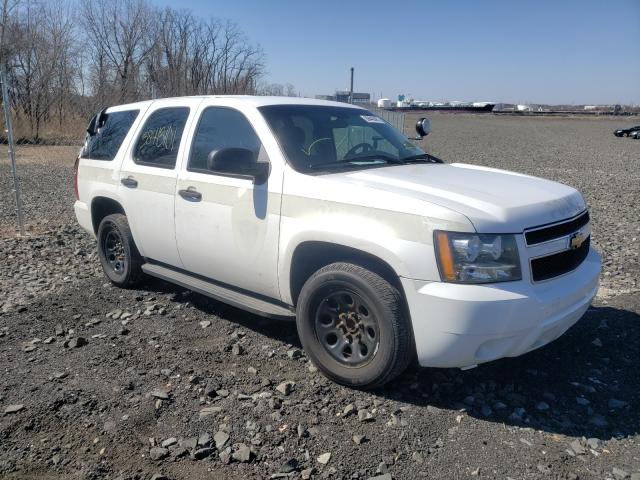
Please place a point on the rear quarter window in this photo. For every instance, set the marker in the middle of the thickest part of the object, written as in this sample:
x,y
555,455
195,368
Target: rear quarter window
x,y
104,145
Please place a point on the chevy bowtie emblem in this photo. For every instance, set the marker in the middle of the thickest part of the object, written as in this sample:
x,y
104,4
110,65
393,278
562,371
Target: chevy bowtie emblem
x,y
576,240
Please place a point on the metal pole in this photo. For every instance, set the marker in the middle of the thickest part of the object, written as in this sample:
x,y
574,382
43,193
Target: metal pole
x,y
12,147
351,89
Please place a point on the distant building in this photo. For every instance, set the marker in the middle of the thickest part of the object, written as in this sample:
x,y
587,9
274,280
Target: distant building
x,y
343,96
504,107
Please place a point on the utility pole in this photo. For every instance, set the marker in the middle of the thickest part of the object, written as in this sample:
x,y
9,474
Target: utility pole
x,y
12,147
351,89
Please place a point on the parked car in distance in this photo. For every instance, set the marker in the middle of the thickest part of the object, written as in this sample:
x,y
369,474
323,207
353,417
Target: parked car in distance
x,y
323,212
622,132
635,134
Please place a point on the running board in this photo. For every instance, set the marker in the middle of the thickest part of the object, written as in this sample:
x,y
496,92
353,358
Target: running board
x,y
261,307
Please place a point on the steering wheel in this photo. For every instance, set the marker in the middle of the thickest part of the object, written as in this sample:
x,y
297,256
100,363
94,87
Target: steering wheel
x,y
353,151
307,152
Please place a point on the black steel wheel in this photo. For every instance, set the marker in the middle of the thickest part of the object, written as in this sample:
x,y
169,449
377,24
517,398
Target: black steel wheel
x,y
113,247
117,251
353,326
346,326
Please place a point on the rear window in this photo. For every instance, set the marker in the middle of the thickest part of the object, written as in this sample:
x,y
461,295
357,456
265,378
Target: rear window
x,y
104,145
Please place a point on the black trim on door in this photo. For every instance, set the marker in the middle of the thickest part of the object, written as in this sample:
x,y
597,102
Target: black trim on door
x,y
190,194
129,182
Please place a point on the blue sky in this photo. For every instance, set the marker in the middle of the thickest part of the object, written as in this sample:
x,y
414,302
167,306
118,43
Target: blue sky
x,y
545,51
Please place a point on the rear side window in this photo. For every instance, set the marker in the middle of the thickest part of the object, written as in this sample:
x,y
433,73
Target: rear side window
x,y
104,145
218,128
160,137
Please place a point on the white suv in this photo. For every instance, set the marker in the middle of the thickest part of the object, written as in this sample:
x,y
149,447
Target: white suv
x,y
322,211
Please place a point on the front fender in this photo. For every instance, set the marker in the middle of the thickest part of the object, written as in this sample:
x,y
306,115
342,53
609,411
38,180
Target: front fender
x,y
395,228
376,240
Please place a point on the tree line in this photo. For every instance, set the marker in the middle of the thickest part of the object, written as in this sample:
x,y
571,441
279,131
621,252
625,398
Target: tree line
x,y
66,60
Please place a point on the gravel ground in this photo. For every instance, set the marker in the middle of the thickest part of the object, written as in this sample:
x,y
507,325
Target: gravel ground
x,y
97,382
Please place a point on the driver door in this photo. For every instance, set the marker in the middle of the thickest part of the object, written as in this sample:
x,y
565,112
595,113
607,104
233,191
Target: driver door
x,y
227,227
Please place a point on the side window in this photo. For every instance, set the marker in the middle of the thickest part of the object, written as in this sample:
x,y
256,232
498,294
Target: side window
x,y
218,128
160,137
104,145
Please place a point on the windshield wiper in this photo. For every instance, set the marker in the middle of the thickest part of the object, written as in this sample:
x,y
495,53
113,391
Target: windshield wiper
x,y
425,157
388,159
358,161
318,166
375,156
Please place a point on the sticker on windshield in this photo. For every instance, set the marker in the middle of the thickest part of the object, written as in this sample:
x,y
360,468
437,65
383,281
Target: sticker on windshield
x,y
371,119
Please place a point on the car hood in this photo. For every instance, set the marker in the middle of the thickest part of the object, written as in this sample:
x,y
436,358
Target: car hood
x,y
494,201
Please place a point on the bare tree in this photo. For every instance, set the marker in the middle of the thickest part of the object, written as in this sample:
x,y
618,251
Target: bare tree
x,y
195,57
121,31
41,42
172,45
278,89
7,7
290,90
65,65
64,76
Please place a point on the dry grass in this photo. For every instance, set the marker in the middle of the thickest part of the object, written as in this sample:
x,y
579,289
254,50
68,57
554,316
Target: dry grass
x,y
46,155
71,132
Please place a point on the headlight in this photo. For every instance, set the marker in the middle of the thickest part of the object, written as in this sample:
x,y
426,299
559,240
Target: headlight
x,y
474,258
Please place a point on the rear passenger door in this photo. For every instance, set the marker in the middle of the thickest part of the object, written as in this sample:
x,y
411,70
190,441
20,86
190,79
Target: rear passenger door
x,y
148,178
228,230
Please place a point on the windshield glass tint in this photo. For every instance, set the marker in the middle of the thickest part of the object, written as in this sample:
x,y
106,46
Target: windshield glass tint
x,y
317,138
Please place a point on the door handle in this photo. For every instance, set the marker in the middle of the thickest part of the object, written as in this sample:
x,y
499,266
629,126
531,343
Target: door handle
x,y
190,194
129,182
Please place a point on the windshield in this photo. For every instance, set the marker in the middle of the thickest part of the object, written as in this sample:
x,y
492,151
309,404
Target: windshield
x,y
318,138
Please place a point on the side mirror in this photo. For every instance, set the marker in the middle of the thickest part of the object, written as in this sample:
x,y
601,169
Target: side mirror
x,y
423,127
238,161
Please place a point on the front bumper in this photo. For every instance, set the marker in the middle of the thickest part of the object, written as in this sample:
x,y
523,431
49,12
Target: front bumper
x,y
464,325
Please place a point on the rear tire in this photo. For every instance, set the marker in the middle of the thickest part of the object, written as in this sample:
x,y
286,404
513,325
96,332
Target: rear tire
x,y
117,251
352,325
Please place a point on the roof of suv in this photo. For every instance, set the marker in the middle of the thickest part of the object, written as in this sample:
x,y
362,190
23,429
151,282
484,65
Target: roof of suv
x,y
254,100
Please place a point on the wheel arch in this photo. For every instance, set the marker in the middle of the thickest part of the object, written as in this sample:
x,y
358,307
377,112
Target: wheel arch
x,y
311,255
101,206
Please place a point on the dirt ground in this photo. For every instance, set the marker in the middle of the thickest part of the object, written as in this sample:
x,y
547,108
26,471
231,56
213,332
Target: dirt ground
x,y
168,383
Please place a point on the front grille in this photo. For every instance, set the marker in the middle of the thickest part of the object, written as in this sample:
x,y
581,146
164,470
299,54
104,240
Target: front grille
x,y
544,234
559,263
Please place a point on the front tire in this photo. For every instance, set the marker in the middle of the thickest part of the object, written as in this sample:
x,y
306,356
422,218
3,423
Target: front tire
x,y
352,325
117,251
